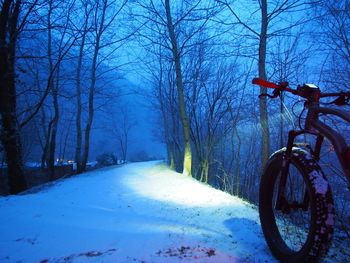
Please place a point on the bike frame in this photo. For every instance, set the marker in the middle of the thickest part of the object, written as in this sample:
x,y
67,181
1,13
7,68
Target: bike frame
x,y
317,128
313,126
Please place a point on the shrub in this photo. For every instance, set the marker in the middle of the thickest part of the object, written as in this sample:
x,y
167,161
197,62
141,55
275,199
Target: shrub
x,y
106,159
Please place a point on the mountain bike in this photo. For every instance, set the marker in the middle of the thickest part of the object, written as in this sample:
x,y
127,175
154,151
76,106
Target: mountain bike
x,y
295,199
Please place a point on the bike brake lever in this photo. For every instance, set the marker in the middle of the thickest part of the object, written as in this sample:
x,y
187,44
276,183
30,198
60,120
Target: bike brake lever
x,y
264,95
275,94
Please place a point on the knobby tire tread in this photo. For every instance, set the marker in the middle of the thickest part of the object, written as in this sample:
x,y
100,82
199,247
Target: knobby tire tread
x,y
322,209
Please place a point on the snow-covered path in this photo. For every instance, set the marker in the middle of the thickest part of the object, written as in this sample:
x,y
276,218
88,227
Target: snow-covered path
x,y
140,212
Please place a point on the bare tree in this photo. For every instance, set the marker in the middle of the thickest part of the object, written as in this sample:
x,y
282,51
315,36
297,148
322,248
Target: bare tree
x,y
103,20
123,122
271,13
211,83
84,32
65,39
289,59
335,26
40,61
164,99
180,90
175,26
13,17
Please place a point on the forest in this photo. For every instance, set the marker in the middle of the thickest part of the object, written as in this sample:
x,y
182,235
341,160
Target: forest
x,y
65,67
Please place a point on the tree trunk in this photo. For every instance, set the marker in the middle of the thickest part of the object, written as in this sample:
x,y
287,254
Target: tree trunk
x,y
53,87
123,142
78,119
167,136
238,161
52,148
46,151
92,87
91,114
10,134
171,157
79,137
62,152
205,170
262,74
187,163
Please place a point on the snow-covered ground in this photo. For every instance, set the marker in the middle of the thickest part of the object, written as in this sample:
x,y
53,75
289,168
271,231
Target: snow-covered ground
x,y
140,212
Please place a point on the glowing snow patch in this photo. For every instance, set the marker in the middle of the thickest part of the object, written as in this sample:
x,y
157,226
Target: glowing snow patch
x,y
160,183
170,228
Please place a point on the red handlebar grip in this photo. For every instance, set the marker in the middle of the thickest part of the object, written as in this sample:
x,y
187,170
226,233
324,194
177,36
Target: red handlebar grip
x,y
264,83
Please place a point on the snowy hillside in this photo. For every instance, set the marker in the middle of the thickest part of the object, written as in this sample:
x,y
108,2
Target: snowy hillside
x,y
140,212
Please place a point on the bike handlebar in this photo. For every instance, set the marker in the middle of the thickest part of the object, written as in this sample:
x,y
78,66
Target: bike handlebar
x,y
264,83
307,91
282,86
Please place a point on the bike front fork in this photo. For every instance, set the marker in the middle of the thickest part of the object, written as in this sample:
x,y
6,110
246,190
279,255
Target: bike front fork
x,y
282,203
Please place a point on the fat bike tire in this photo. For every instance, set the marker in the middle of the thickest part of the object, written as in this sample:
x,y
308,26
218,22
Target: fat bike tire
x,y
310,235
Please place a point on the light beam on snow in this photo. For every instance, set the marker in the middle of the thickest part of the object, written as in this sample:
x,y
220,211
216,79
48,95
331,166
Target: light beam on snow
x,y
168,186
136,212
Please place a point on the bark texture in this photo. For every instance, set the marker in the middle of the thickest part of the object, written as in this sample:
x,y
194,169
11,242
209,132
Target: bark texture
x,y
262,74
10,130
187,164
